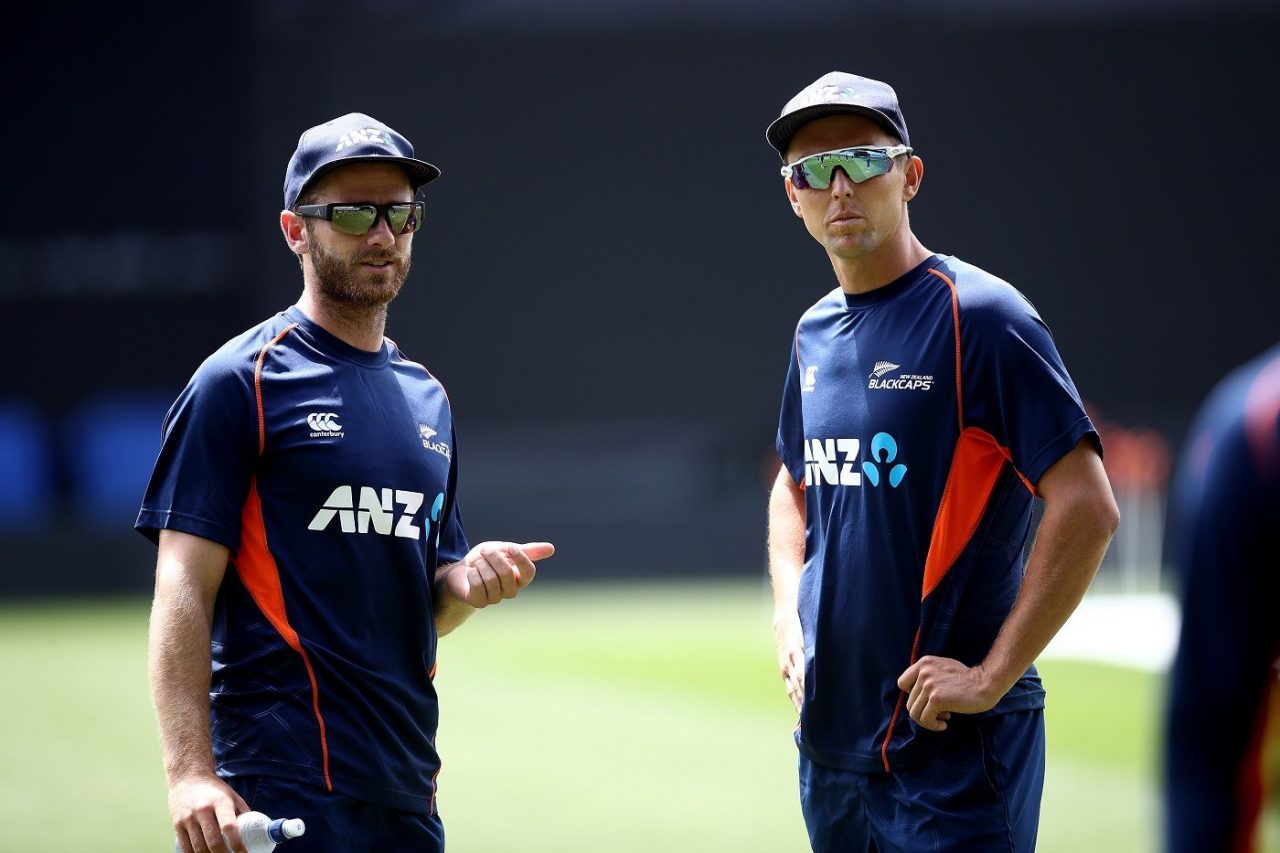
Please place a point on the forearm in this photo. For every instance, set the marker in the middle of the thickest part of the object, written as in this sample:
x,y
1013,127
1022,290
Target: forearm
x,y
179,664
786,545
1072,539
450,612
786,563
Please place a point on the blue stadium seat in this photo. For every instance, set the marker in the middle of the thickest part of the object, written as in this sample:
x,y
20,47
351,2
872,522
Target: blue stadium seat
x,y
111,443
26,467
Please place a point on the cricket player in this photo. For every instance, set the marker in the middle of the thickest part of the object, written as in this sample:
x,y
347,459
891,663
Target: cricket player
x,y
311,550
925,406
1222,752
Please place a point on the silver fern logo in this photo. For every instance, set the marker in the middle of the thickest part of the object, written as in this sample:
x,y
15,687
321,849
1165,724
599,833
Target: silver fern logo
x,y
903,382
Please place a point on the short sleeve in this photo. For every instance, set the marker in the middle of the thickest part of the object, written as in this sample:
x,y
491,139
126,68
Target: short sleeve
x,y
790,440
1015,385
452,545
207,456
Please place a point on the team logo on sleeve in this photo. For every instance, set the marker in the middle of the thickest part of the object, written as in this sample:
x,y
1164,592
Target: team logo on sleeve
x,y
426,433
881,378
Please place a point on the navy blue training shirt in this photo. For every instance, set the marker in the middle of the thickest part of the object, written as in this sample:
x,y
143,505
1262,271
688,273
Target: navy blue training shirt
x,y
1224,700
330,473
917,418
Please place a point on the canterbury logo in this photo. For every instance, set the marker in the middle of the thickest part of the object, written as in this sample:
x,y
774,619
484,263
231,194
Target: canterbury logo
x,y
883,367
810,378
323,422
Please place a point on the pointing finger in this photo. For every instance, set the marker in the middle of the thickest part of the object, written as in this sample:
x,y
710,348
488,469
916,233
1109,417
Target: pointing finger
x,y
538,550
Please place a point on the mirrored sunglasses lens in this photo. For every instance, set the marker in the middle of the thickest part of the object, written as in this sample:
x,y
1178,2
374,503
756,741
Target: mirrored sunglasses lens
x,y
816,172
859,166
404,217
397,216
353,219
866,165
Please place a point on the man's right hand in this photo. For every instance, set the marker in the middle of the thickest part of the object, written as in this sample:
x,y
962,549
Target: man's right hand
x,y
203,810
790,639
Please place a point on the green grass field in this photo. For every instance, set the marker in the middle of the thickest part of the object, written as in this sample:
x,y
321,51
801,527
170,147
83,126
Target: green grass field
x,y
577,718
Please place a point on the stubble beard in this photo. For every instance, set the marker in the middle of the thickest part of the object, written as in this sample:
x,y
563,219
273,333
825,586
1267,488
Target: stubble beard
x,y
338,282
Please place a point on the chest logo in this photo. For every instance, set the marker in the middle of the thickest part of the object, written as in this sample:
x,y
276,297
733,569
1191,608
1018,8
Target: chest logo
x,y
881,378
883,367
832,461
835,462
810,378
325,425
883,451
376,511
426,433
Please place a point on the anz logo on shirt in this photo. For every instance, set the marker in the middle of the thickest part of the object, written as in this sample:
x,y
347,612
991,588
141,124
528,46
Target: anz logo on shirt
x,y
376,511
834,462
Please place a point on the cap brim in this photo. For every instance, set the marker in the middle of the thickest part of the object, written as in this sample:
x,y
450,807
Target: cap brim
x,y
784,127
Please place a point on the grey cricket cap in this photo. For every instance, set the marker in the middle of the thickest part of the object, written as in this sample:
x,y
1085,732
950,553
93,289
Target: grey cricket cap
x,y
833,93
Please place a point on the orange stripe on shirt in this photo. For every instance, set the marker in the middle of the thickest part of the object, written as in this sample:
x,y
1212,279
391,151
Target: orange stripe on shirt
x,y
897,709
257,385
955,321
1251,781
975,467
261,577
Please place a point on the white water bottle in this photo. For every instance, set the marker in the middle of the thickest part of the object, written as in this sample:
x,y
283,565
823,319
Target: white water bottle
x,y
261,834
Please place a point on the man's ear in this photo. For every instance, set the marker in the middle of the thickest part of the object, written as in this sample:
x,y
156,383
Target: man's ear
x,y
914,171
295,231
793,198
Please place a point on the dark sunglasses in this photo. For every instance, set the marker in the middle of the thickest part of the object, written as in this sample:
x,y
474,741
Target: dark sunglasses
x,y
356,218
860,163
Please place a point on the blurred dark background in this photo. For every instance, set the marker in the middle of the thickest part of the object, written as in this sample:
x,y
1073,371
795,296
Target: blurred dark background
x,y
610,276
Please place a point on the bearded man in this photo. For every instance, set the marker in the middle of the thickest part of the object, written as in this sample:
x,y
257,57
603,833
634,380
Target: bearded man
x,y
311,551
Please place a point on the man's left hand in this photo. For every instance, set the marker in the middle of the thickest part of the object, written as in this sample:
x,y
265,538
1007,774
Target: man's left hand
x,y
937,687
492,571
